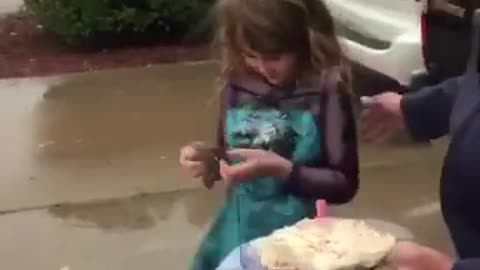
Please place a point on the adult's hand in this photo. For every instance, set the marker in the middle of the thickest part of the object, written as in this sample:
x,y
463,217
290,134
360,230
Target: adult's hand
x,y
382,117
411,256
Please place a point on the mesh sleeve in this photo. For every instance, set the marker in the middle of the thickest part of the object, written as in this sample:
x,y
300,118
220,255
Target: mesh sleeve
x,y
335,179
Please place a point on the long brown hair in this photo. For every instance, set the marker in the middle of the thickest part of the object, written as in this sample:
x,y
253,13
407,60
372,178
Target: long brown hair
x,y
304,27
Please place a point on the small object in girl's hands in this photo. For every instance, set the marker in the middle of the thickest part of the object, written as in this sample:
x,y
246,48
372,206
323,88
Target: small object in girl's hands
x,y
321,208
220,154
211,157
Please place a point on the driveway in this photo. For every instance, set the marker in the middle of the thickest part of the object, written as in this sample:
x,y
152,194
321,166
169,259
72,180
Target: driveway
x,y
89,176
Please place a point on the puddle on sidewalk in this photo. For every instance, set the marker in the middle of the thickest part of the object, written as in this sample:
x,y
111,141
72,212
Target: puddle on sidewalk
x,y
140,212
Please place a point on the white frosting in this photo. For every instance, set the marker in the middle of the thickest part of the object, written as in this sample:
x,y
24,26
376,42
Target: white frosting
x,y
328,244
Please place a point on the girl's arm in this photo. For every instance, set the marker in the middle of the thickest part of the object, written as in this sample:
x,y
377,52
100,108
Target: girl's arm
x,y
336,177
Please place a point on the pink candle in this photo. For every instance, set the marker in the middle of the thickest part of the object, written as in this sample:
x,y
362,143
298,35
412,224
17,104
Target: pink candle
x,y
321,208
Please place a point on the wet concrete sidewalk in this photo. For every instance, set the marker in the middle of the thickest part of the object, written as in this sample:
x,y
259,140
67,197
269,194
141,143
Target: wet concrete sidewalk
x,y
89,177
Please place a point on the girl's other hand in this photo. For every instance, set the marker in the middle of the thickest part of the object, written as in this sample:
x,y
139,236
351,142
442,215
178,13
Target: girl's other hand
x,y
192,161
254,163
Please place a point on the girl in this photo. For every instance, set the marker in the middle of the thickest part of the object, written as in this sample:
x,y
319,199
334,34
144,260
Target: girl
x,y
286,121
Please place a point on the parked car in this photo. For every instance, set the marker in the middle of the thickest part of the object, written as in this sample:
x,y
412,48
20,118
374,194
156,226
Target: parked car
x,y
404,44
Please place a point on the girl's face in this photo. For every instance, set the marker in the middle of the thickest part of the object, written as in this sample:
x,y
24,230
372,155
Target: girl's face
x,y
278,69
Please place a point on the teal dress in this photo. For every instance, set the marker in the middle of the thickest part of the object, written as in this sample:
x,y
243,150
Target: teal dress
x,y
289,127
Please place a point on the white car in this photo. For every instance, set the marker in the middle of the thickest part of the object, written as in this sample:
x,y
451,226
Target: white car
x,y
408,41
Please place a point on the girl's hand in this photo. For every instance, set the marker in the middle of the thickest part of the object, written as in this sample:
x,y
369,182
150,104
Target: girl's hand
x,y
255,163
192,162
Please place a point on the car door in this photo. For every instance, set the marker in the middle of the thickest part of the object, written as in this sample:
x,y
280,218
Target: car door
x,y
378,34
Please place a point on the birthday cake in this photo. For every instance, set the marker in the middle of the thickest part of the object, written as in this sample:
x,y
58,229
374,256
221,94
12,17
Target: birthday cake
x,y
325,244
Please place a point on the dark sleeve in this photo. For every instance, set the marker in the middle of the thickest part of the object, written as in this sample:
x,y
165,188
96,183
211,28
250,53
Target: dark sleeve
x,y
221,129
467,264
336,179
220,125
220,147
427,112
